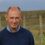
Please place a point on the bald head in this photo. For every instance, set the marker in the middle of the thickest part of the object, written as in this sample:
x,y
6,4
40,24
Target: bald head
x,y
14,8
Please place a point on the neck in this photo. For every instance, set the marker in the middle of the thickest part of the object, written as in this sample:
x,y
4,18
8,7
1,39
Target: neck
x,y
13,29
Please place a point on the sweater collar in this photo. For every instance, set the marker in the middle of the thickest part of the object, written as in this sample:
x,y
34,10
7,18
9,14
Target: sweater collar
x,y
8,28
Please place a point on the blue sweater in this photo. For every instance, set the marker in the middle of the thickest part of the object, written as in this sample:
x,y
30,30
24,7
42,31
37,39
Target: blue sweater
x,y
22,37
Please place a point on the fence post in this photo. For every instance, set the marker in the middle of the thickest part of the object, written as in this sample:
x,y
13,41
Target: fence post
x,y
41,29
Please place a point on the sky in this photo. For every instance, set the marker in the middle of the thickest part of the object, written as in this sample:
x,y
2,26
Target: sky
x,y
25,5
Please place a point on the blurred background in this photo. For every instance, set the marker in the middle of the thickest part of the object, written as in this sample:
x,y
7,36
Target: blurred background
x,y
33,12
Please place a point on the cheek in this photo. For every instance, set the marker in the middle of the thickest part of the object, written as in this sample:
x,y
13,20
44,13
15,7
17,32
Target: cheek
x,y
19,20
9,21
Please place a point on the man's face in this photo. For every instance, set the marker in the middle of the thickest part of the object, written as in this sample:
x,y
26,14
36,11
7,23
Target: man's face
x,y
13,19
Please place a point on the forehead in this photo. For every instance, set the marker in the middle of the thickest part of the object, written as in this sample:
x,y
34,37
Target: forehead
x,y
14,13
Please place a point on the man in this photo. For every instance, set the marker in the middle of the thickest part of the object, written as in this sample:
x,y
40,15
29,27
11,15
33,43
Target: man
x,y
14,34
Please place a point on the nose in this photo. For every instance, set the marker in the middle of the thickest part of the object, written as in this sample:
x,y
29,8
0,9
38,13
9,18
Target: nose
x,y
14,20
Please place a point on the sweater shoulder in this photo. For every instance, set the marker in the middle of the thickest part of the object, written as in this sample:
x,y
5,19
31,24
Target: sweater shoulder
x,y
26,31
2,31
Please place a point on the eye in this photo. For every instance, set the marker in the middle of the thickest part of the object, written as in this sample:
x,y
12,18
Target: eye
x,y
11,17
16,17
